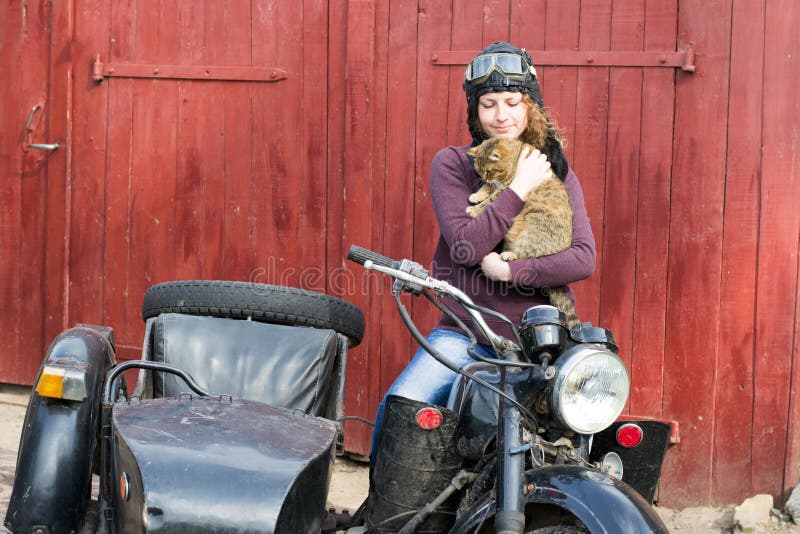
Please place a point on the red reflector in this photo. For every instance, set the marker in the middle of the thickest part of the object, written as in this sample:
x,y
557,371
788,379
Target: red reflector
x,y
429,418
629,435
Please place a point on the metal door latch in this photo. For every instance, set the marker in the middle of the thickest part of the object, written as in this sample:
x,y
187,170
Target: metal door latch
x,y
29,133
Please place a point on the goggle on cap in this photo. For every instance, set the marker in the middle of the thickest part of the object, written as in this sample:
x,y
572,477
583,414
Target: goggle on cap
x,y
501,67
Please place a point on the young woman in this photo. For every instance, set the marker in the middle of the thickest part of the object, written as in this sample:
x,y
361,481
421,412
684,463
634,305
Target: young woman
x,y
502,92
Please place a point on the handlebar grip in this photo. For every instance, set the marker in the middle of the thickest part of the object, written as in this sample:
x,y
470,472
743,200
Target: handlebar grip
x,y
361,254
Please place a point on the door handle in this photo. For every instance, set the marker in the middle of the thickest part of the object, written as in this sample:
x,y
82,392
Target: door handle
x,y
43,146
29,132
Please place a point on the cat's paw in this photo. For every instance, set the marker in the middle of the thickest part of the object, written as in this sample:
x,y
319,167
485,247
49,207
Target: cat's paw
x,y
473,211
474,198
508,256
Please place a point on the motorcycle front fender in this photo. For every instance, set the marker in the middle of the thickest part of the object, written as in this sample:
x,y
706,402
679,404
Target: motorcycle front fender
x,y
54,465
602,503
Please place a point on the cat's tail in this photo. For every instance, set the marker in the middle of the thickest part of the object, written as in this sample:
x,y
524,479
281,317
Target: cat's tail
x,y
559,297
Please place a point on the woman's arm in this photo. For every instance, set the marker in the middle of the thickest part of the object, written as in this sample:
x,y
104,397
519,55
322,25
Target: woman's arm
x,y
451,182
570,265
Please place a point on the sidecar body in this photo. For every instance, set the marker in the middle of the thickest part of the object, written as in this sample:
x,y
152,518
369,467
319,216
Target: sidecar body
x,y
253,456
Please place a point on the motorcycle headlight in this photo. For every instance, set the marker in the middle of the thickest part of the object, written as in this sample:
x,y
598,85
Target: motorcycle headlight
x,y
591,388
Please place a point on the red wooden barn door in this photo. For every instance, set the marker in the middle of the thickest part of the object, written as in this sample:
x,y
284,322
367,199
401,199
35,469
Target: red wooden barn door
x,y
32,123
194,156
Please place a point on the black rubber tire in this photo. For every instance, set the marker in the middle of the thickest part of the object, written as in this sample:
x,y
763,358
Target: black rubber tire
x,y
561,529
259,302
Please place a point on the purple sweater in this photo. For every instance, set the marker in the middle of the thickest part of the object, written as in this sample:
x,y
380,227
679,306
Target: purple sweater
x,y
464,242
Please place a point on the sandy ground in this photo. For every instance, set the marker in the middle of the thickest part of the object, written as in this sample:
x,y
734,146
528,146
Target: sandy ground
x,y
349,484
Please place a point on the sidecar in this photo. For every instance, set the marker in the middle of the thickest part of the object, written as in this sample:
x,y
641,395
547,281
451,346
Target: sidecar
x,y
231,426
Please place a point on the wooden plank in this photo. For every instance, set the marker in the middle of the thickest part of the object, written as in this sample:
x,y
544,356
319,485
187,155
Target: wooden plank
x,y
734,392
264,50
649,329
433,22
779,233
391,330
88,167
335,250
381,301
340,274
467,33
192,109
238,151
315,145
528,30
288,182
213,154
359,189
56,238
496,21
33,186
560,97
695,253
167,106
589,141
146,191
116,244
396,345
12,121
622,182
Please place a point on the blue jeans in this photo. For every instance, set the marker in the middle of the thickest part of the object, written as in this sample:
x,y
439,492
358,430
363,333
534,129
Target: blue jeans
x,y
427,380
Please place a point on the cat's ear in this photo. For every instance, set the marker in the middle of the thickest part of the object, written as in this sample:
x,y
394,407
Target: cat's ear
x,y
495,156
473,151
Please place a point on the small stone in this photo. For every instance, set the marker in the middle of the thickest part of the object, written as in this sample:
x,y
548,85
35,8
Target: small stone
x,y
793,505
754,513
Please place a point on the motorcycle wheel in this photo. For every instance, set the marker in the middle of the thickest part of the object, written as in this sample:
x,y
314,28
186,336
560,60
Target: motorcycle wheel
x,y
566,529
259,302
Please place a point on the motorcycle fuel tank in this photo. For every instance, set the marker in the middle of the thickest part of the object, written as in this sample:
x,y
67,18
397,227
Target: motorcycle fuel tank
x,y
218,465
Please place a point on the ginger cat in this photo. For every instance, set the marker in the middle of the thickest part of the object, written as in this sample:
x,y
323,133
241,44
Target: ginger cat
x,y
543,227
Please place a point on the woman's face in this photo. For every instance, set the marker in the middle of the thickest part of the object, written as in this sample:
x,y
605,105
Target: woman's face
x,y
502,114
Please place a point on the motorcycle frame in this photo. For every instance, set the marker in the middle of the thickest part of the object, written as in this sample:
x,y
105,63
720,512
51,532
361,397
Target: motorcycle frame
x,y
517,488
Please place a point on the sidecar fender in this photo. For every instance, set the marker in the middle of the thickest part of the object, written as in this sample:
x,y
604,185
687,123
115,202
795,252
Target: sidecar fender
x,y
57,446
604,504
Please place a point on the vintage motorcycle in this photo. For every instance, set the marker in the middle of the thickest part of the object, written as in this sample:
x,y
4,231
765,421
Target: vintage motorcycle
x,y
530,441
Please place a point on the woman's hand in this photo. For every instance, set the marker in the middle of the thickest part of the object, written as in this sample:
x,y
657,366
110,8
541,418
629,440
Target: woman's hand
x,y
495,268
532,169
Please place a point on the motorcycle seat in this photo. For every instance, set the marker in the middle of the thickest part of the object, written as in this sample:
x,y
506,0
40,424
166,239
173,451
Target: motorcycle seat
x,y
285,366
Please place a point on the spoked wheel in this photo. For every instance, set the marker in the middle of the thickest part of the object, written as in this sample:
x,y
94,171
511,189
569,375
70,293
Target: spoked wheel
x,y
257,302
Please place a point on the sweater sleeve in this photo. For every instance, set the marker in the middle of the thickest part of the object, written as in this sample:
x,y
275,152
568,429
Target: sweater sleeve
x,y
570,265
451,183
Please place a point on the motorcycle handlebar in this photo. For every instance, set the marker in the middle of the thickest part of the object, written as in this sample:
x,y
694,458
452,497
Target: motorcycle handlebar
x,y
360,255
416,280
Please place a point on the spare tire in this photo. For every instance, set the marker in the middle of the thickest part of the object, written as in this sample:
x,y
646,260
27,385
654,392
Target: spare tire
x,y
259,302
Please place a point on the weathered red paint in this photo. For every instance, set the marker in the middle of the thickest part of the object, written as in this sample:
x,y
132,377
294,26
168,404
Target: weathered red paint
x,y
690,182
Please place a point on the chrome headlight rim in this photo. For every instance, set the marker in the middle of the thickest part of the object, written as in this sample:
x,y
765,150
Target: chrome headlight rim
x,y
567,364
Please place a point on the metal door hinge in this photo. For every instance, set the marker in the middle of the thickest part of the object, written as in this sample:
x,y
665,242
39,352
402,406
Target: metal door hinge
x,y
682,59
101,71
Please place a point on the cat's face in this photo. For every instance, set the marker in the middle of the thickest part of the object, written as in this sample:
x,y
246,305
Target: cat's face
x,y
495,159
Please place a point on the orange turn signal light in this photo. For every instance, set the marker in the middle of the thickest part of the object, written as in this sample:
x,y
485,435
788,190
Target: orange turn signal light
x,y
61,382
